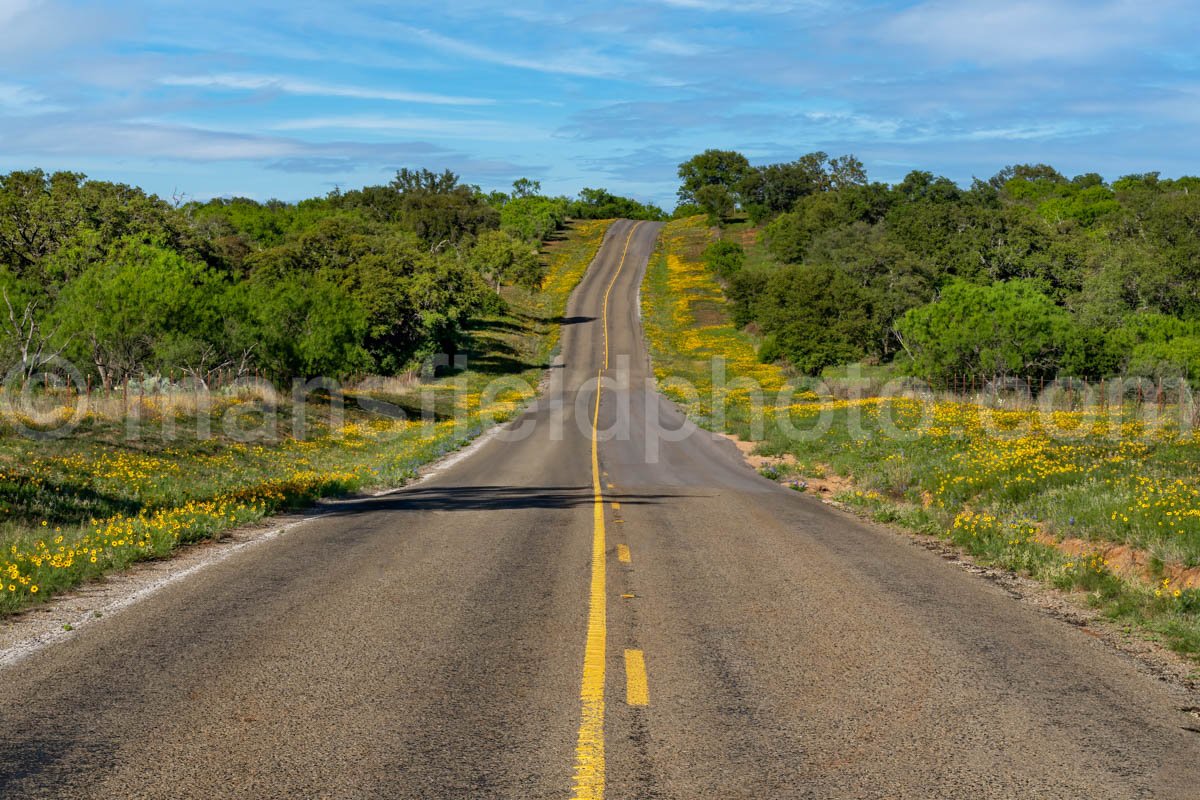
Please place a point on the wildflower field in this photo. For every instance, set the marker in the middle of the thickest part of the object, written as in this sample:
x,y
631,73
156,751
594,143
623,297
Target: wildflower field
x,y
1101,498
139,476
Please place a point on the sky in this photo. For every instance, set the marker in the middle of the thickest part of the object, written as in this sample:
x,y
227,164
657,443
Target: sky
x,y
290,99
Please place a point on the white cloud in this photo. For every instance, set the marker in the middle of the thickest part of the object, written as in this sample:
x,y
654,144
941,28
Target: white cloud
x,y
21,99
674,47
35,30
302,87
122,139
747,6
1034,131
1022,31
11,9
581,63
473,129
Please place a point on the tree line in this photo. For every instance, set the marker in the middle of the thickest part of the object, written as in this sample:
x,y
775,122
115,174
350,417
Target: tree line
x,y
128,286
1028,273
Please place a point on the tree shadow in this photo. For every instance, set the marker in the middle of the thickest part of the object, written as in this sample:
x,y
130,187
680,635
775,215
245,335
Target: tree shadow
x,y
490,498
23,501
497,364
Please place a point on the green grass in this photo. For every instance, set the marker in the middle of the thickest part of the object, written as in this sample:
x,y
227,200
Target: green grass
x,y
139,477
1050,495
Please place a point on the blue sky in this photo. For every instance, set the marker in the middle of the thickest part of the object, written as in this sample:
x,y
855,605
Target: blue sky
x,y
288,99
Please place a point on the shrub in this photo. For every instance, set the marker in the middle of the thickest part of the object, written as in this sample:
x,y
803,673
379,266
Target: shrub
x,y
725,258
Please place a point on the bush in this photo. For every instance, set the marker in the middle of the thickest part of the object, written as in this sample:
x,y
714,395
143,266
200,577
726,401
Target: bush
x,y
499,257
1008,328
533,219
725,258
815,317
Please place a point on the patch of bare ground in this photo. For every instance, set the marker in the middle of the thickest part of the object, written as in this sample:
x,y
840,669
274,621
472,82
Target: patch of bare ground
x,y
708,312
747,237
1128,562
825,484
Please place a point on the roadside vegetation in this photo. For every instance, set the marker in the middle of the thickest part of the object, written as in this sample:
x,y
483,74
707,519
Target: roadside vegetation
x,y
1026,275
1096,495
137,461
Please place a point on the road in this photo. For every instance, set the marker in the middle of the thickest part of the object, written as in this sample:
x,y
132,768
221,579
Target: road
x,y
483,634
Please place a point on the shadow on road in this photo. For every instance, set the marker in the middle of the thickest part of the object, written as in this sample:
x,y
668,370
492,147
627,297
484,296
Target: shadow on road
x,y
489,498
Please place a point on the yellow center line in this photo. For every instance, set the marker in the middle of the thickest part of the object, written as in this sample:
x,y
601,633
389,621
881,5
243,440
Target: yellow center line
x,y
589,748
613,283
637,690
623,554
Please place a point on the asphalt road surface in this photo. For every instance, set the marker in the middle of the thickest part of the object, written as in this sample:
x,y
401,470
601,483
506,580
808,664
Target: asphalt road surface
x,y
502,630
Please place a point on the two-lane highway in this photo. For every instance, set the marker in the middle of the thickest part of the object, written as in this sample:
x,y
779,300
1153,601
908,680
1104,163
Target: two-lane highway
x,y
600,602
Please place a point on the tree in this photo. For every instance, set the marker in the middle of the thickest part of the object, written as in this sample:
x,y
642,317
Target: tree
x,y
304,327
721,168
534,219
775,188
132,312
524,187
814,317
499,257
716,201
602,204
437,207
414,299
27,344
1008,328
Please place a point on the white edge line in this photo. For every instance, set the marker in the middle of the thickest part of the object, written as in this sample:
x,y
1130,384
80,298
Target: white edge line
x,y
23,648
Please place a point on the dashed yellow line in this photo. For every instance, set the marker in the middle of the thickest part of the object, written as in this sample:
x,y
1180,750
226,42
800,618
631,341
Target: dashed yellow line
x,y
589,748
637,690
623,554
616,506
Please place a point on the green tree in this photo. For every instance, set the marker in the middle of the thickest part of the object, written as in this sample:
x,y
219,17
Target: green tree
x,y
814,317
534,219
775,188
1006,329
716,201
304,327
603,204
142,309
524,187
726,169
498,257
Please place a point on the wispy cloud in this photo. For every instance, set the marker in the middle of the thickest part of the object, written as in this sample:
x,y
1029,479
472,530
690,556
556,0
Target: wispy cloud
x,y
263,96
581,62
288,85
674,47
749,6
1025,31
472,129
19,99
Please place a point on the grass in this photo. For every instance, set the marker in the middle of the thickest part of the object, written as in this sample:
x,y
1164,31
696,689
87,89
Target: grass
x,y
140,476
1102,500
